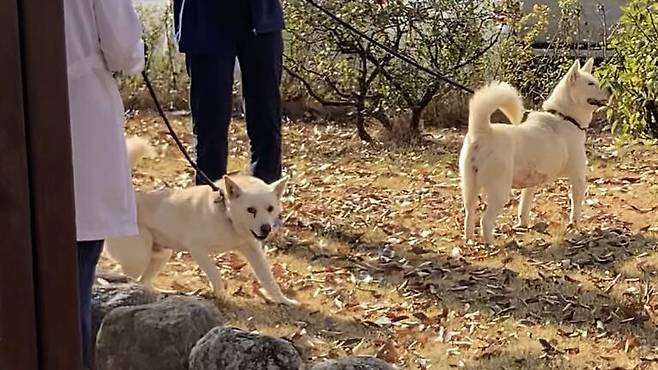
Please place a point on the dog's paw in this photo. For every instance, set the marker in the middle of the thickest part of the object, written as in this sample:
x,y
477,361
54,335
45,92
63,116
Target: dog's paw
x,y
219,293
489,243
522,226
148,287
204,294
288,302
166,291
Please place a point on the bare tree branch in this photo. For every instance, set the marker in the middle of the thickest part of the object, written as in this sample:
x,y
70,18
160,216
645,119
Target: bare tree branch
x,y
313,94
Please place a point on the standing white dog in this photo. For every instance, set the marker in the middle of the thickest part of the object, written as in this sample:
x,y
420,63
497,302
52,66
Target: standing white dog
x,y
202,222
549,144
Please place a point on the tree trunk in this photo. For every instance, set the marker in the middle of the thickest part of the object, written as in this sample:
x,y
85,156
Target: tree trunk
x,y
361,128
652,118
383,119
416,113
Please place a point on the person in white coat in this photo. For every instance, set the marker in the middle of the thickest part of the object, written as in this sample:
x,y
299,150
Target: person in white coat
x,y
102,37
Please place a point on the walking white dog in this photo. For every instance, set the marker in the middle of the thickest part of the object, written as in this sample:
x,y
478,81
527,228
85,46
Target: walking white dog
x,y
201,222
549,144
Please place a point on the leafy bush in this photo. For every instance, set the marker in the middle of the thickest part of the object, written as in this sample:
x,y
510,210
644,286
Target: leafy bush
x,y
165,65
633,71
515,60
338,68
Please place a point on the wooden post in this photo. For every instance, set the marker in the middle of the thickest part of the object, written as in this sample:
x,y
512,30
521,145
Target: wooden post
x,y
39,327
18,341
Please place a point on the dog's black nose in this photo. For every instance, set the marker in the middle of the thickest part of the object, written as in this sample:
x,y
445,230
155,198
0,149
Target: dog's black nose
x,y
266,229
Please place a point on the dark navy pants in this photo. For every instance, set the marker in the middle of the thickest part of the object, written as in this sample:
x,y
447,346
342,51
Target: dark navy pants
x,y
88,255
211,75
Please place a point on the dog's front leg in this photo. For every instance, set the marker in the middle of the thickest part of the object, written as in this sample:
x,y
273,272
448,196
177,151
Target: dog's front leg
x,y
212,272
578,190
254,254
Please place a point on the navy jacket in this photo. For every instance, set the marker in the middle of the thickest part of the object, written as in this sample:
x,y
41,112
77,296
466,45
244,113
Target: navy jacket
x,y
213,26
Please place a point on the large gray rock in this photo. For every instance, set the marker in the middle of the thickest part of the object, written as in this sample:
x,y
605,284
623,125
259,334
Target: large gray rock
x,y
234,349
355,363
154,336
105,298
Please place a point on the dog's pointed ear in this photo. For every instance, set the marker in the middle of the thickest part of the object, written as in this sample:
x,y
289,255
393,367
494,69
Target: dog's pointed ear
x,y
572,73
233,191
588,66
279,186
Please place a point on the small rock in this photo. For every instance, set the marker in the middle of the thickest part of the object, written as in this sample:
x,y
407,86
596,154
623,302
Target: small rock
x,y
456,252
154,336
234,349
106,298
355,363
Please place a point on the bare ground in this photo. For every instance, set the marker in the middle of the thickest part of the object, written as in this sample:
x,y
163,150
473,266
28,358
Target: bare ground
x,y
372,247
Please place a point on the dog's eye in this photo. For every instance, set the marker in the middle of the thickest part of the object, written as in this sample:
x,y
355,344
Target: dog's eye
x,y
591,84
270,209
252,210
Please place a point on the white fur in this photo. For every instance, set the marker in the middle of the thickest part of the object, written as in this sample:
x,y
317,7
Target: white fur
x,y
139,148
197,220
497,157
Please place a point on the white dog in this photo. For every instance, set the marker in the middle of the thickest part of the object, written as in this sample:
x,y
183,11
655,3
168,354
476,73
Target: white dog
x,y
201,222
551,143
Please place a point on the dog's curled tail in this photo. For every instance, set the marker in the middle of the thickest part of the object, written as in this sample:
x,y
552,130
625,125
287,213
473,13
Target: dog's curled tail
x,y
138,148
485,101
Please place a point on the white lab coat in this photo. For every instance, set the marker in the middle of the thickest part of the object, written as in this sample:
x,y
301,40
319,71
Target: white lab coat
x,y
101,36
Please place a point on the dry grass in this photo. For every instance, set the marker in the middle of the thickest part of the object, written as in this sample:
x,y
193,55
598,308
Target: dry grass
x,y
370,248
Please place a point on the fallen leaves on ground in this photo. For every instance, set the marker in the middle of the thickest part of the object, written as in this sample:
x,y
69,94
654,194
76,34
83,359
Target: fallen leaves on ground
x,y
372,245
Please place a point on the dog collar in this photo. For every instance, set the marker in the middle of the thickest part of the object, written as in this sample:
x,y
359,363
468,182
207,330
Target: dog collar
x,y
526,113
566,118
221,201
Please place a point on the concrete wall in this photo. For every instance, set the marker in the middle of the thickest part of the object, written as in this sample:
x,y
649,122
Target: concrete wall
x,y
591,25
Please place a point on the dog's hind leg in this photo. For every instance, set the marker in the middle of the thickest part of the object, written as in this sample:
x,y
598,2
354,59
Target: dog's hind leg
x,y
497,196
525,205
254,254
132,253
470,188
159,259
470,195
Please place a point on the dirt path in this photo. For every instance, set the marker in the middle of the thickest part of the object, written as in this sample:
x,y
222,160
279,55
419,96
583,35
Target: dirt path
x,y
372,246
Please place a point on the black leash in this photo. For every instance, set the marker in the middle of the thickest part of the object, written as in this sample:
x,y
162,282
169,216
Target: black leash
x,y
387,49
172,133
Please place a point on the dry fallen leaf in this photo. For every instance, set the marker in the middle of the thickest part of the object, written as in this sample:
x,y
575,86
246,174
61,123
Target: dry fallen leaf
x,y
388,352
631,343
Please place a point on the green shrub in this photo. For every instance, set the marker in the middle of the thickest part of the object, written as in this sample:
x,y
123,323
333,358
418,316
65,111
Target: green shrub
x,y
516,62
165,65
337,68
633,73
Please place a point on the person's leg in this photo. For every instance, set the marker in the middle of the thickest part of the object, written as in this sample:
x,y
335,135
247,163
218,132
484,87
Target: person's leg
x,y
261,62
88,255
211,86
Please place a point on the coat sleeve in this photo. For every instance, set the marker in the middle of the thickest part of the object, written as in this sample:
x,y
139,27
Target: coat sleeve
x,y
120,35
